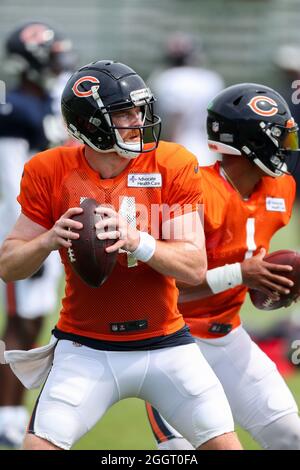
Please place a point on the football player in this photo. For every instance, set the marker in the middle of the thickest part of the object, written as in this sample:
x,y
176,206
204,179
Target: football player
x,y
183,89
39,59
247,198
126,338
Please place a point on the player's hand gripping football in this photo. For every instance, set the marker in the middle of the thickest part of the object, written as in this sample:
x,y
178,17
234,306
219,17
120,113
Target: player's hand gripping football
x,y
266,277
61,234
113,226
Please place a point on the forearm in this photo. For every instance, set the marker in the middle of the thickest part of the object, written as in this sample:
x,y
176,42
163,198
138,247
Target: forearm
x,y
216,280
181,254
20,259
181,260
29,244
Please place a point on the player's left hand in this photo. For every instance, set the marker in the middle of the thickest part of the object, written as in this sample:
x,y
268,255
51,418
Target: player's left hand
x,y
266,277
113,226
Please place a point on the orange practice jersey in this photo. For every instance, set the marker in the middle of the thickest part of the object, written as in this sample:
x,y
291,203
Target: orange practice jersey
x,y
60,178
234,229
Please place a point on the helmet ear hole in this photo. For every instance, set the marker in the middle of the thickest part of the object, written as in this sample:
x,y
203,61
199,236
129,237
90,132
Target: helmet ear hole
x,y
237,101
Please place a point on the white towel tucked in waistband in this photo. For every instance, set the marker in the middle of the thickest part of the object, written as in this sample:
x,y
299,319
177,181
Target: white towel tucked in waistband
x,y
31,367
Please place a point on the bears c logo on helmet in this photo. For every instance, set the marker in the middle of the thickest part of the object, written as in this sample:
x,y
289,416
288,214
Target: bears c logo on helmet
x,y
263,105
36,34
84,94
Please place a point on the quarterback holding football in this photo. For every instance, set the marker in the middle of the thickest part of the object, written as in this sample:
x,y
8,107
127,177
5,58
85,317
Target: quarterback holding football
x,y
126,337
247,197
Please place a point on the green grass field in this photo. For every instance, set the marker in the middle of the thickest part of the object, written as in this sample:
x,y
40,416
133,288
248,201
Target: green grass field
x,y
125,425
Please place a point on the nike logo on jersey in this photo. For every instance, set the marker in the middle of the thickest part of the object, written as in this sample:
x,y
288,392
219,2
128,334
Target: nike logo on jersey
x,y
129,326
144,180
275,204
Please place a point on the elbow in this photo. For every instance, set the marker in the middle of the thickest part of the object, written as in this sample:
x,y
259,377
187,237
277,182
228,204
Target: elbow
x,y
3,270
197,277
197,273
6,271
7,274
197,268
4,274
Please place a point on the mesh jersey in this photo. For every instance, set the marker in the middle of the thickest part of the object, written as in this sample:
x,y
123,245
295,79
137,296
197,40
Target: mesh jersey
x,y
28,124
59,178
234,229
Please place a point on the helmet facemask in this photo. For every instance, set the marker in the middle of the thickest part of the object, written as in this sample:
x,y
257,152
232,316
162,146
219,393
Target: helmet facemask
x,y
150,125
100,131
278,153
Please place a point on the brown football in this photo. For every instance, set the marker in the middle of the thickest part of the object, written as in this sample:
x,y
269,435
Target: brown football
x,y
288,257
87,255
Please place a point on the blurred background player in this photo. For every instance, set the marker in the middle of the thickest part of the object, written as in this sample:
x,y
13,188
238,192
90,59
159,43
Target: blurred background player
x,y
40,60
247,198
184,90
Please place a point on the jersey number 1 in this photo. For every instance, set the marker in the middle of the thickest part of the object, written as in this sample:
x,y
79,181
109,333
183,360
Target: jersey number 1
x,y
250,231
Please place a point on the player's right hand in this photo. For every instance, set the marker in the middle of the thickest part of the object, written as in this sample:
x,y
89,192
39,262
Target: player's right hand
x,y
61,234
261,275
